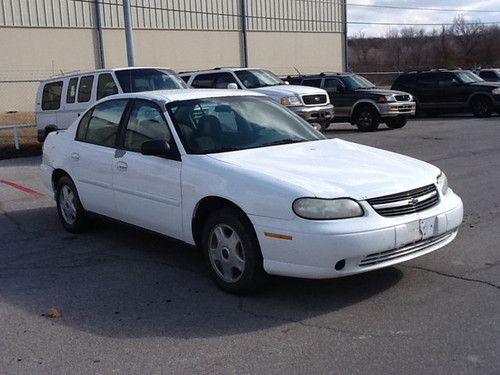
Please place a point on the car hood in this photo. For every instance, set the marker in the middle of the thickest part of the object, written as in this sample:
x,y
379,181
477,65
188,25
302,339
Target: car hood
x,y
289,90
493,85
377,91
335,168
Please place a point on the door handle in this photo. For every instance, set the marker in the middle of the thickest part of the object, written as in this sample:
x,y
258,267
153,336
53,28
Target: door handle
x,y
75,156
121,166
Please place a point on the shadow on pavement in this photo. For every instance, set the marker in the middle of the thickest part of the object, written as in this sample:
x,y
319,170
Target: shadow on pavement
x,y
120,281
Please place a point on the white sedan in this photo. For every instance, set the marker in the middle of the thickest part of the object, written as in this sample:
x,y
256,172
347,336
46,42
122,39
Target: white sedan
x,y
248,182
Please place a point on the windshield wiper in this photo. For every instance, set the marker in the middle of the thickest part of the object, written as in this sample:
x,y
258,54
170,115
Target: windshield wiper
x,y
282,142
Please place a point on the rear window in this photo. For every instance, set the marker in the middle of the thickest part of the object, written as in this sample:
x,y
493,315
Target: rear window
x,y
136,80
316,82
51,97
106,86
85,89
100,125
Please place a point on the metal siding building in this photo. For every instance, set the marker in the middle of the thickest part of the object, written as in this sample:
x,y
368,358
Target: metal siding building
x,y
40,38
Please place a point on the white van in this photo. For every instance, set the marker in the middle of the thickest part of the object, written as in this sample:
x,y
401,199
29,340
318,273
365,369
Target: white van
x,y
60,100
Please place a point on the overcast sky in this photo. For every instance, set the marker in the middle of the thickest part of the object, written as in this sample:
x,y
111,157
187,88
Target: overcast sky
x,y
363,14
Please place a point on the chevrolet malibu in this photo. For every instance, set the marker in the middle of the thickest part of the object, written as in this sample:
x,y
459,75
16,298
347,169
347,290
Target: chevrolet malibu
x,y
250,183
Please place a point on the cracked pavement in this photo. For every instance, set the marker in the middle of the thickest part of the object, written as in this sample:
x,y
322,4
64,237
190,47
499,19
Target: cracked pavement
x,y
135,302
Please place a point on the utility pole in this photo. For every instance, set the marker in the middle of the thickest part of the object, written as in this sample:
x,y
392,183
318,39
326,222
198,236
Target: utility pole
x,y
346,40
100,39
128,33
244,33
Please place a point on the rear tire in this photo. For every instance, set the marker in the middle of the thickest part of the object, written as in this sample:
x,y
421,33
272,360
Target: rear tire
x,y
366,118
232,251
481,107
71,213
396,123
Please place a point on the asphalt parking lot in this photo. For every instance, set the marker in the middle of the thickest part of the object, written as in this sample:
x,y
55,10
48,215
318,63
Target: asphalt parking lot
x,y
135,302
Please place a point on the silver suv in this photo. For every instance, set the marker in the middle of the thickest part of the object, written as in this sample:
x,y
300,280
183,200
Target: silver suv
x,y
310,103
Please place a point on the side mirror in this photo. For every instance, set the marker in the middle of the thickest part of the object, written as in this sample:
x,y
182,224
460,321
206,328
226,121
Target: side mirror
x,y
232,86
155,147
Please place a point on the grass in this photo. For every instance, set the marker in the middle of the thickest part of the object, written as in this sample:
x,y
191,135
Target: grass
x,y
29,145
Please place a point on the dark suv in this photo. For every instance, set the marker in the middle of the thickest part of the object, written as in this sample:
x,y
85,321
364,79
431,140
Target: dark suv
x,y
359,102
438,91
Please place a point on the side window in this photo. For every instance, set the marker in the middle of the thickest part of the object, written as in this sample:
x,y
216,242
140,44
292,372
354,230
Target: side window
x,y
488,75
447,80
213,80
51,96
145,123
106,86
85,89
333,84
71,93
185,78
316,82
100,125
427,80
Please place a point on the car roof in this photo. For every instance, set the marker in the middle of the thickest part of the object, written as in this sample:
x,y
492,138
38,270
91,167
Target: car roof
x,y
183,94
104,70
217,70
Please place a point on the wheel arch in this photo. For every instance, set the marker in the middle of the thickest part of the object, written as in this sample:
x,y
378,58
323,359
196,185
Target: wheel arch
x,y
56,175
480,94
205,207
359,104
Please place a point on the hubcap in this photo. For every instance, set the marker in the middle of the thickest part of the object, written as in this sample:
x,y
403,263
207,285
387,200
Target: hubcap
x,y
226,253
481,107
365,118
67,204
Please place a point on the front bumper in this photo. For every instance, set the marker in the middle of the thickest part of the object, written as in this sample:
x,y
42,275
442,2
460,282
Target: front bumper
x,y
316,114
364,244
397,109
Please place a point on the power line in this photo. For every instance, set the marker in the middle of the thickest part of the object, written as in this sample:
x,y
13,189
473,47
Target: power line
x,y
419,24
421,8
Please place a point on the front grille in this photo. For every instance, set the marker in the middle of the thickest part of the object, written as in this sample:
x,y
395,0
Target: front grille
x,y
407,202
404,108
402,98
388,255
314,99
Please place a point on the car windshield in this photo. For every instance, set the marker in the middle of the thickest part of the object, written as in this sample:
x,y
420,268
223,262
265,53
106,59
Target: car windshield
x,y
235,123
355,82
136,80
467,76
254,78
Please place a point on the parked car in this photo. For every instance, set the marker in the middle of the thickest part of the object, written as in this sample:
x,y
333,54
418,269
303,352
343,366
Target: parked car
x,y
60,100
359,101
490,75
312,104
441,90
250,183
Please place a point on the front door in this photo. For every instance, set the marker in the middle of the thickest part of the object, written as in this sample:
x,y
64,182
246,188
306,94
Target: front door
x,y
147,189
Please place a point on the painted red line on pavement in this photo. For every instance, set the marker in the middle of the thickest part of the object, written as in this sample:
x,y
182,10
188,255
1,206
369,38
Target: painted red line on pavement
x,y
22,188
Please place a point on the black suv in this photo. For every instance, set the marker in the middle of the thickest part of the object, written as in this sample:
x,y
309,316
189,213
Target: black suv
x,y
359,101
438,91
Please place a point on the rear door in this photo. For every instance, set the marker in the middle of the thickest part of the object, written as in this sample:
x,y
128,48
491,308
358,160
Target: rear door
x,y
50,105
147,189
92,156
342,98
426,90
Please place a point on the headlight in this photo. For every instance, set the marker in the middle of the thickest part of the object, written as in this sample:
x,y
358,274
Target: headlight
x,y
290,100
386,99
495,91
326,209
442,183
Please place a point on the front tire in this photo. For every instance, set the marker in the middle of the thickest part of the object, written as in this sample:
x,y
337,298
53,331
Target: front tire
x,y
70,210
481,107
396,123
232,251
367,119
